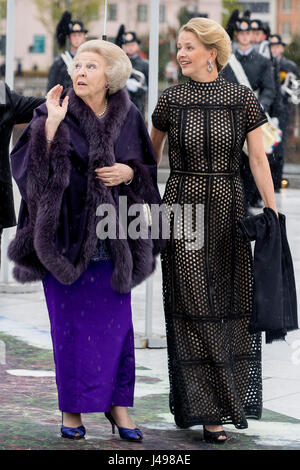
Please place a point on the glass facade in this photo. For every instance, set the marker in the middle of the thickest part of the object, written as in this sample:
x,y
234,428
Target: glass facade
x,y
112,13
256,7
2,44
39,42
142,13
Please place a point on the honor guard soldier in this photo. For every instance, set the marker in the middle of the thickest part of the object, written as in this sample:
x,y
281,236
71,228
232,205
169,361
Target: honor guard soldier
x,y
76,33
260,38
260,34
288,75
137,85
260,41
257,68
248,67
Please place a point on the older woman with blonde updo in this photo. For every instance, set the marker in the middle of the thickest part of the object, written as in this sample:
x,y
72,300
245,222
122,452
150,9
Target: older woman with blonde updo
x,y
72,164
214,362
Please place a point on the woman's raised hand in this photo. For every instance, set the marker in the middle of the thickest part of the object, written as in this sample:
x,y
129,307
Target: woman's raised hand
x,y
56,111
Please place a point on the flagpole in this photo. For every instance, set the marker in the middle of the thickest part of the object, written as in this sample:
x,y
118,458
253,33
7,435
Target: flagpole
x,y
9,79
104,37
152,341
10,44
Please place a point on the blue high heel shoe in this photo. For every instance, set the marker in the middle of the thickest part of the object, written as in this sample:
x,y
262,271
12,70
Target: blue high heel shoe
x,y
70,433
135,435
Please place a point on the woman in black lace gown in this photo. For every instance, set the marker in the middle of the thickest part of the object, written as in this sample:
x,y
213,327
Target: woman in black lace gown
x,y
214,363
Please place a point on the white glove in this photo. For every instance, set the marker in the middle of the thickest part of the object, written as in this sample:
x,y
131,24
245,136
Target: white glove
x,y
132,85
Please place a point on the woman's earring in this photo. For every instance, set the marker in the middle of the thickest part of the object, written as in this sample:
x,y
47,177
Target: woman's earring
x,y
209,66
107,86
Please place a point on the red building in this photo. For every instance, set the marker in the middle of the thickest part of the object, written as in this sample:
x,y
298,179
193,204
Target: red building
x,y
288,18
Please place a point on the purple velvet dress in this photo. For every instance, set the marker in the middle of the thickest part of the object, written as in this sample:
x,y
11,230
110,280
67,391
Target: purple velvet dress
x,y
93,341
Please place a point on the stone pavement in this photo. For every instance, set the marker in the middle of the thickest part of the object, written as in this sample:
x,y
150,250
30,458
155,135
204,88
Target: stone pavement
x,y
29,418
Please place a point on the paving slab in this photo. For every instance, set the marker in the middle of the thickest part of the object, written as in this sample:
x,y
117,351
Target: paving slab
x,y
29,419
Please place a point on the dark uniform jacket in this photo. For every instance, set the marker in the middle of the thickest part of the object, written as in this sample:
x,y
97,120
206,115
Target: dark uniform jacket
x,y
277,107
286,65
263,48
58,74
260,75
139,98
14,109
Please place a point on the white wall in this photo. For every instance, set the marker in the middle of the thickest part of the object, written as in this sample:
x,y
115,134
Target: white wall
x,y
26,26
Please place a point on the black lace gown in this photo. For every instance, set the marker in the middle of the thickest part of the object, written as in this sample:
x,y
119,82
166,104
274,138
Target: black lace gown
x,y
214,363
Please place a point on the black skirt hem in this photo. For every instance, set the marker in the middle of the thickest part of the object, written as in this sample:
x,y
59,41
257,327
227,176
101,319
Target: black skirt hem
x,y
199,421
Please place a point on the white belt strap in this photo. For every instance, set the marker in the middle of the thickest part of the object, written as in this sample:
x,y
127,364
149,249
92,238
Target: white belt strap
x,y
67,58
239,72
2,93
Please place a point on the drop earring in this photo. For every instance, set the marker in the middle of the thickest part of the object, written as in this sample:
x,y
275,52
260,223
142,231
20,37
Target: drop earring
x,y
209,66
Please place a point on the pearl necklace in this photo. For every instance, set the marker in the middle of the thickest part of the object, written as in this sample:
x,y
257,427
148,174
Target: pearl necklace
x,y
104,110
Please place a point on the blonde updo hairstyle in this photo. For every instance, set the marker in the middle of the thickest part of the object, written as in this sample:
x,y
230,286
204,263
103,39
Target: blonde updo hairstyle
x,y
118,66
213,36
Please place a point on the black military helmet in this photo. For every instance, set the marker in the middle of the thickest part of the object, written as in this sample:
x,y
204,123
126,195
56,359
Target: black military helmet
x,y
77,27
125,38
66,26
242,24
266,29
231,24
256,25
130,37
119,38
276,39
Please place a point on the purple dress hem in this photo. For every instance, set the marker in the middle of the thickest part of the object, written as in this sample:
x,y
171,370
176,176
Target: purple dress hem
x,y
93,341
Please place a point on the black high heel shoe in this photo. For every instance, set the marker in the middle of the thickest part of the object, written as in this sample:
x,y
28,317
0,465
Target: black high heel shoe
x,y
213,437
72,433
135,435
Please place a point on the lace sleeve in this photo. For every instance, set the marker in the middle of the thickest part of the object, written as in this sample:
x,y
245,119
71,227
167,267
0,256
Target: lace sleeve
x,y
255,115
160,116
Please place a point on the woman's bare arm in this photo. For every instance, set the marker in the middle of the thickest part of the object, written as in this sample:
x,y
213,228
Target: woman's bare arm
x,y
260,168
158,139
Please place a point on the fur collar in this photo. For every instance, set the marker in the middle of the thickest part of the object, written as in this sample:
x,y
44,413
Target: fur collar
x,y
133,259
95,128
